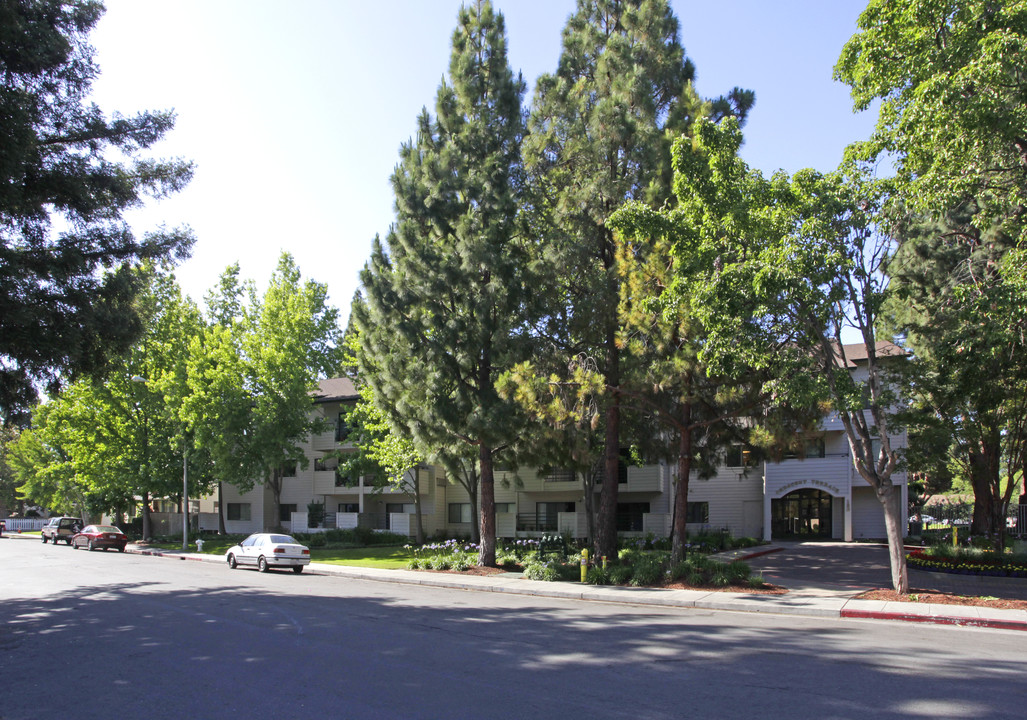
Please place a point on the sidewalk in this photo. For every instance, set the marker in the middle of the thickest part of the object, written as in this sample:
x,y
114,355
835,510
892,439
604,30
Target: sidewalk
x,y
807,602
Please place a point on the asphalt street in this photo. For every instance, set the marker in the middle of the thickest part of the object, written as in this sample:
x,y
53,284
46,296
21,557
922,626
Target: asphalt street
x,y
86,634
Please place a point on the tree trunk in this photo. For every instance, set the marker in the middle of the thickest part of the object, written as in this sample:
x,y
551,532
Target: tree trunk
x,y
983,477
147,530
221,509
487,546
472,494
589,483
275,483
418,513
680,532
891,499
606,524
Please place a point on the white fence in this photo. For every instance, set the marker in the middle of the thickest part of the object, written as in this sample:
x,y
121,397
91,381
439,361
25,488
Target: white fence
x,y
23,524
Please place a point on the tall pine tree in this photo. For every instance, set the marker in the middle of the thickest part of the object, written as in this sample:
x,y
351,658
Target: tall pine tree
x,y
444,302
600,133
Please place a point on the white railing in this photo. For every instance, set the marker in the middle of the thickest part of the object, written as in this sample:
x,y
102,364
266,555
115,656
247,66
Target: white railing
x,y
23,524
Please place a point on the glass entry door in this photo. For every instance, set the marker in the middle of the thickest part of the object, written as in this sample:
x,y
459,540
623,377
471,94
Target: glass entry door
x,y
801,514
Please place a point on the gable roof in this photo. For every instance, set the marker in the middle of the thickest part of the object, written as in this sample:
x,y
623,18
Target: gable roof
x,y
855,354
335,390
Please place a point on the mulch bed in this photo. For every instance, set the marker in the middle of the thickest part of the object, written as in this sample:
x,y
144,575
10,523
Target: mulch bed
x,y
925,596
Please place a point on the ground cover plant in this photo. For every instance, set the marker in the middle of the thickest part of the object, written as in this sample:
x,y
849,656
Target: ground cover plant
x,y
969,561
640,562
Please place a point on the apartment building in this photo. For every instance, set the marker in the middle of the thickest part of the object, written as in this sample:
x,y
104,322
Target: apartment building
x,y
817,495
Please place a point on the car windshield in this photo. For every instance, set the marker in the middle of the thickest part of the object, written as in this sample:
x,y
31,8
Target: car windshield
x,y
282,539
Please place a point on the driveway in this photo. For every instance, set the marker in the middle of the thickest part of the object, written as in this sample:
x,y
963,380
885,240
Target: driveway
x,y
825,569
838,569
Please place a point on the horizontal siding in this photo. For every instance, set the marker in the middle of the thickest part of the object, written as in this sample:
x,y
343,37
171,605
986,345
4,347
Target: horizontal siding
x,y
643,479
867,514
726,494
789,475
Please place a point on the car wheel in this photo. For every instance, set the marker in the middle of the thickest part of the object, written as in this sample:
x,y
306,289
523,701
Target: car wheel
x,y
121,549
297,569
262,564
231,562
105,548
44,539
91,546
74,546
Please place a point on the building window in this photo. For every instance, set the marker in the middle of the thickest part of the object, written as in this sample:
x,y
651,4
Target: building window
x,y
813,448
504,508
629,516
459,512
559,475
345,480
739,455
622,469
698,513
349,507
325,463
547,514
237,511
341,428
285,511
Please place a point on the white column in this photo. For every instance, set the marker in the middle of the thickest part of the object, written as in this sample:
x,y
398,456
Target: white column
x,y
766,511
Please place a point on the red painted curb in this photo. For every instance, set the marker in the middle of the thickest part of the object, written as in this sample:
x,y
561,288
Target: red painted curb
x,y
750,556
937,619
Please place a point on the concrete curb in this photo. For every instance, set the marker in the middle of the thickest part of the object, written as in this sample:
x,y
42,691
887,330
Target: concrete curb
x,y
791,604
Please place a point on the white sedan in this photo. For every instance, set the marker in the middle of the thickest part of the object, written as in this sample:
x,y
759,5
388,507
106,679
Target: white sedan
x,y
267,550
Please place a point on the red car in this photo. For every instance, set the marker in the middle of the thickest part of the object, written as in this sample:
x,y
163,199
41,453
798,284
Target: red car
x,y
100,536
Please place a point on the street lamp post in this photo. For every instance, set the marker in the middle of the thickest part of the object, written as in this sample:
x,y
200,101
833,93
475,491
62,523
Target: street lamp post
x,y
185,482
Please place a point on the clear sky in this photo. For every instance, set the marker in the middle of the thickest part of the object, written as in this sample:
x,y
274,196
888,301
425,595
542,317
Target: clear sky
x,y
293,112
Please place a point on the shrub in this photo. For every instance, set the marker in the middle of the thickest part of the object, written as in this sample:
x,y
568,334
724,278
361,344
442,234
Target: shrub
x,y
738,572
620,574
461,562
317,540
756,581
680,570
507,559
438,562
720,578
647,571
595,575
695,578
363,535
536,570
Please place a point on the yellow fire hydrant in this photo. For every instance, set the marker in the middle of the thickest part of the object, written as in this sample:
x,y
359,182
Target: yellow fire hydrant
x,y
584,564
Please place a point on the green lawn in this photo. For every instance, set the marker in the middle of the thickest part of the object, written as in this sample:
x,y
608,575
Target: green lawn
x,y
383,556
390,556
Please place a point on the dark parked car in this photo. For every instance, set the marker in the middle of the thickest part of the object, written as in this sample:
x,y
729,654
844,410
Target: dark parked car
x,y
60,528
100,536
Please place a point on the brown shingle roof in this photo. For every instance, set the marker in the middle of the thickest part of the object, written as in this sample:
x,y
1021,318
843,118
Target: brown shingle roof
x,y
856,353
335,389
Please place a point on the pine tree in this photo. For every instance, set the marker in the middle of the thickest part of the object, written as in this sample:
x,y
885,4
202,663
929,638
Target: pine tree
x,y
600,133
443,302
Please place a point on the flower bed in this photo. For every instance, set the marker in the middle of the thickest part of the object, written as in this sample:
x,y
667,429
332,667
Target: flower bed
x,y
962,564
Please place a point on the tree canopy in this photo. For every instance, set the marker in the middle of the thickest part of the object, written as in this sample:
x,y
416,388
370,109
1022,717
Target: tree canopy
x,y
68,172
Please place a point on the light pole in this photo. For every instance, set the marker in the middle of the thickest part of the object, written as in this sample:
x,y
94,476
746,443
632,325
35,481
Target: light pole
x,y
185,481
